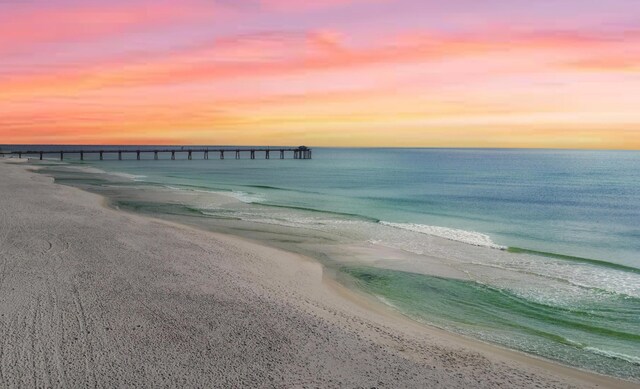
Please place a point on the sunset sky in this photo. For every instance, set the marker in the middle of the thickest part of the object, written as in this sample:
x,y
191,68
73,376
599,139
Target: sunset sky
x,y
459,73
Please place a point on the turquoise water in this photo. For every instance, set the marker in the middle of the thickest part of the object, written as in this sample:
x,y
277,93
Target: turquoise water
x,y
535,327
577,203
540,248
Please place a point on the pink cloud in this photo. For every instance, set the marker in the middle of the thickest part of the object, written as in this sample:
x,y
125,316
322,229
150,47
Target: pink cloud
x,y
27,26
301,5
629,62
274,54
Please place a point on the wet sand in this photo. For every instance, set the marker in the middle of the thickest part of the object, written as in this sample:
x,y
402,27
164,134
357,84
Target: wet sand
x,y
94,297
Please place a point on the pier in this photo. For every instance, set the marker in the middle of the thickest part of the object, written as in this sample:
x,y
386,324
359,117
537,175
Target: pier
x,y
301,152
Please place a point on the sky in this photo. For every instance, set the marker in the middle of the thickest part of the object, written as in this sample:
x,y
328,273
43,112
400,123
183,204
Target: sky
x,y
380,73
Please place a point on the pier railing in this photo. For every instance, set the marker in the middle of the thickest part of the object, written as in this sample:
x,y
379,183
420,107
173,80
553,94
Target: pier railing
x,y
301,152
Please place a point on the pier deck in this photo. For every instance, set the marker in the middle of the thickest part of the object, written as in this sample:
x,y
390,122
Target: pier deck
x,y
301,152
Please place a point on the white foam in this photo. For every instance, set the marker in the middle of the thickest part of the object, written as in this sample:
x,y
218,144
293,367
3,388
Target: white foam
x,y
244,196
611,354
468,237
388,302
133,177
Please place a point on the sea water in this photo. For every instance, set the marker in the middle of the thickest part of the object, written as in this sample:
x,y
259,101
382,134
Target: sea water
x,y
536,250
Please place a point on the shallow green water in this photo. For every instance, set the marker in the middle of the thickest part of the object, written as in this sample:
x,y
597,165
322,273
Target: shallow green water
x,y
572,335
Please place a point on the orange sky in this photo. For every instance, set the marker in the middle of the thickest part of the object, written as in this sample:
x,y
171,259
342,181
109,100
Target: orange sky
x,y
505,73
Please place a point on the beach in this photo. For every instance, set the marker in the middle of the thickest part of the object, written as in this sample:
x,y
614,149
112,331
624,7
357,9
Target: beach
x,y
93,297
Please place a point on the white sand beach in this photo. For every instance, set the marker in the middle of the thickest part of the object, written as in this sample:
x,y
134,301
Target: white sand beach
x,y
95,297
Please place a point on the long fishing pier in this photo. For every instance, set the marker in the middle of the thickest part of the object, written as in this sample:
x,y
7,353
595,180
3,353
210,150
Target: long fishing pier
x,y
301,152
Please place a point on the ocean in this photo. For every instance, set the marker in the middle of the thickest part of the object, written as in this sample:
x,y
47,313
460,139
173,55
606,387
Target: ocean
x,y
534,250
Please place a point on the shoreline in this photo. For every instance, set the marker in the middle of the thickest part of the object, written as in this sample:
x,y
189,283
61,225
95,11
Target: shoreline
x,y
398,331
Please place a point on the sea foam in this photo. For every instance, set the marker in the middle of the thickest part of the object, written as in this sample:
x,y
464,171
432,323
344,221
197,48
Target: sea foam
x,y
611,354
244,197
468,237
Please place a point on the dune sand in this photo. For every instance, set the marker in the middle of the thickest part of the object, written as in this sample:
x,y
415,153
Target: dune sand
x,y
94,297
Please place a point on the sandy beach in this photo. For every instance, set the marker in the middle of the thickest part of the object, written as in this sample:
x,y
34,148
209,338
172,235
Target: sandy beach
x,y
94,297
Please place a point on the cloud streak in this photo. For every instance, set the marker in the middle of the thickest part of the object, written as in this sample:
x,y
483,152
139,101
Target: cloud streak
x,y
124,71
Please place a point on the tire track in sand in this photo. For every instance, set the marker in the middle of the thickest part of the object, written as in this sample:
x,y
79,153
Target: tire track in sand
x,y
89,359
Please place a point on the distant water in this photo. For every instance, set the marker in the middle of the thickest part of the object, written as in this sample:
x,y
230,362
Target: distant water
x,y
547,241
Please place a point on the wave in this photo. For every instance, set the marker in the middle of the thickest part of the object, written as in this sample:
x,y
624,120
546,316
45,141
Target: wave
x,y
245,197
611,265
266,187
87,168
614,355
483,240
282,189
553,276
354,215
468,237
133,177
189,188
